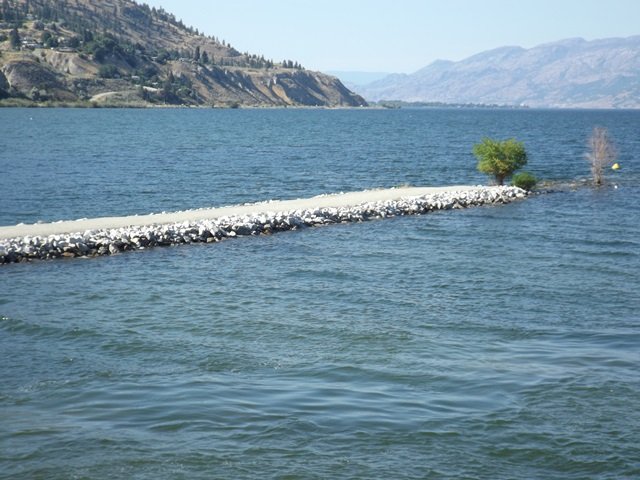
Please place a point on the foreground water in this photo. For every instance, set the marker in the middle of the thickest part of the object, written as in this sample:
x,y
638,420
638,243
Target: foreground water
x,y
496,342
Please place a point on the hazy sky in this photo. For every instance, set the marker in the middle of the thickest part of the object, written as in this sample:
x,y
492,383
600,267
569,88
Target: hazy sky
x,y
398,35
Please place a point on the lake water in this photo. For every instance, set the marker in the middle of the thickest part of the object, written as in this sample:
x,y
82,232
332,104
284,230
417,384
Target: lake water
x,y
496,342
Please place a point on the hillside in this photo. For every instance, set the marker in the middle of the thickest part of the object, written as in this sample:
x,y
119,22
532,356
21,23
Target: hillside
x,y
570,73
118,52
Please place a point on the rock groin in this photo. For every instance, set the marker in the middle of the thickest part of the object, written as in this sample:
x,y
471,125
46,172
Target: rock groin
x,y
112,241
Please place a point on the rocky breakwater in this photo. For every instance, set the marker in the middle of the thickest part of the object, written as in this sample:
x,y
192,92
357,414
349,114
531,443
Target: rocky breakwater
x,y
113,241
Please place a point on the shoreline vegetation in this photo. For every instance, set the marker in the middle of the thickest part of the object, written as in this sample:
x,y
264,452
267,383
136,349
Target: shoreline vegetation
x,y
112,235
81,104
22,103
16,102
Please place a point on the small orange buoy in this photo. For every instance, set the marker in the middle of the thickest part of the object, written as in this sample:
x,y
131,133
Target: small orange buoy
x,y
615,166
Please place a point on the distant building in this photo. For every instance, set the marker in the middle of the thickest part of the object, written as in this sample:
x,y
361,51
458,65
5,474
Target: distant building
x,y
30,43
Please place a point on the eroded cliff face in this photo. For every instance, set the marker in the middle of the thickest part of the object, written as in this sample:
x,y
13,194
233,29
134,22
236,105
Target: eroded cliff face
x,y
29,78
273,87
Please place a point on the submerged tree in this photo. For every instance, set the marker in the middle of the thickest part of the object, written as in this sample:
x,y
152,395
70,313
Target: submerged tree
x,y
601,153
500,158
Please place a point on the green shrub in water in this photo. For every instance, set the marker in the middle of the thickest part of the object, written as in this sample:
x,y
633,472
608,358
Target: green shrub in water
x,y
524,180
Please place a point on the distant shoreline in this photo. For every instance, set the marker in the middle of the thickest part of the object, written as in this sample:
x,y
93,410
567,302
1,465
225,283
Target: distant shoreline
x,y
395,104
122,106
11,103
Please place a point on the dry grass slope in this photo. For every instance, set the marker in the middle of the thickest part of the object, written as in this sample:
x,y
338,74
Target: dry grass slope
x,y
80,50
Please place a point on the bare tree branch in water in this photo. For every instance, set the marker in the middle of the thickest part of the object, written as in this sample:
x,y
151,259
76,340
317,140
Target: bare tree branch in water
x,y
601,153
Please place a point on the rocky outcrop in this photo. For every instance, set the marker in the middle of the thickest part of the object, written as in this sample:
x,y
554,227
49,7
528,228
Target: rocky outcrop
x,y
315,89
221,86
109,242
35,80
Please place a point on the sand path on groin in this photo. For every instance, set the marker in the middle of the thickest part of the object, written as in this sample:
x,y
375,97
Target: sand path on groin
x,y
338,200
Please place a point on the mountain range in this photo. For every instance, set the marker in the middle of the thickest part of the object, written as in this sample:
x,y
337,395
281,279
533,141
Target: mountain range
x,y
571,73
121,53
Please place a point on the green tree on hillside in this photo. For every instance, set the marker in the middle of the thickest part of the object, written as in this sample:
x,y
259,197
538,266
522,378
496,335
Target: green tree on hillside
x,y
500,158
168,88
108,71
6,13
14,38
49,40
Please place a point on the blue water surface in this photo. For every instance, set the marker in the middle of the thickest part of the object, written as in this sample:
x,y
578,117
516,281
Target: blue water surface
x,y
495,342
